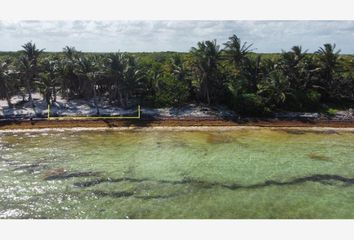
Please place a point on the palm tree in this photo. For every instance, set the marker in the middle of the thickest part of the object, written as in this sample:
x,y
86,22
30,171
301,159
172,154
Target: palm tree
x,y
25,68
31,51
132,77
88,68
178,69
114,68
275,88
45,85
70,52
155,77
292,58
6,81
236,52
47,81
71,86
328,61
181,73
293,65
206,61
252,73
29,61
328,58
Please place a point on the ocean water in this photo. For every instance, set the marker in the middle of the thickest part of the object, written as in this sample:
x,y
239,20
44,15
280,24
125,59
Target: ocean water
x,y
253,173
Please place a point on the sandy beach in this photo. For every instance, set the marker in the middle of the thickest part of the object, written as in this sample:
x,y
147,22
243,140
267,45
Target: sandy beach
x,y
24,116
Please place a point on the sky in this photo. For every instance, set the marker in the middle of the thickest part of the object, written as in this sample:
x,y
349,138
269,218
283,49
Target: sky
x,y
149,36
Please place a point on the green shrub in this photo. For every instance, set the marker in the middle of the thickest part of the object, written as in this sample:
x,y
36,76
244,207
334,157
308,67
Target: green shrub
x,y
331,112
250,104
303,101
171,93
312,100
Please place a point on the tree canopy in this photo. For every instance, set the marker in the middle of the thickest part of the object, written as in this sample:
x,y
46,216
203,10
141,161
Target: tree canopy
x,y
249,83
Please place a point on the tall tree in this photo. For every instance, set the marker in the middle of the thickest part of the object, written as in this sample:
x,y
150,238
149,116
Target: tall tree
x,y
6,81
29,61
275,89
182,73
48,79
115,65
236,51
329,67
132,77
207,57
89,69
71,86
293,66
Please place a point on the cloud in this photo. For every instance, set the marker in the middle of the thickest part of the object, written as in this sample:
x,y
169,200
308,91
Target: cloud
x,y
106,36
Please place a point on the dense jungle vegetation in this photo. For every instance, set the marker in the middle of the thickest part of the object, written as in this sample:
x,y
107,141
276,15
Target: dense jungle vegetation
x,y
210,73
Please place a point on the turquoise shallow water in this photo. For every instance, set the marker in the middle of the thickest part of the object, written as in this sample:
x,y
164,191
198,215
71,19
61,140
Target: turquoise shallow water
x,y
239,173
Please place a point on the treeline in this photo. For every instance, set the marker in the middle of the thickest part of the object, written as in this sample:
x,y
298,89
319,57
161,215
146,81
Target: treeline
x,y
232,75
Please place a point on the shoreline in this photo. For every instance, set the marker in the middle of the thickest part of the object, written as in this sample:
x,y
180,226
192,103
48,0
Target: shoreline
x,y
291,130
64,112
171,123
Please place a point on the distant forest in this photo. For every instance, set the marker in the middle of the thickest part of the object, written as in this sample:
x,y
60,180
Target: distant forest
x,y
229,74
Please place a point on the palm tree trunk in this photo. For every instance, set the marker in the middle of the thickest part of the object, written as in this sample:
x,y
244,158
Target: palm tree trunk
x,y
206,91
116,94
47,96
207,95
126,100
190,88
120,95
95,100
54,94
28,86
8,99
